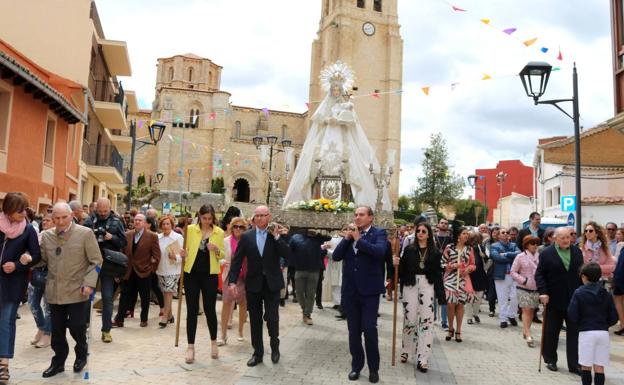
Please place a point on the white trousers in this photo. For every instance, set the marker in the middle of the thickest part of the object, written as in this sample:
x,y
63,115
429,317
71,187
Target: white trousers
x,y
418,320
507,298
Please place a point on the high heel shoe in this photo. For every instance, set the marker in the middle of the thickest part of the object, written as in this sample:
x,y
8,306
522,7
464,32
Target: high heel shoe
x,y
222,341
422,367
449,336
214,354
37,337
529,341
403,358
458,337
171,320
190,355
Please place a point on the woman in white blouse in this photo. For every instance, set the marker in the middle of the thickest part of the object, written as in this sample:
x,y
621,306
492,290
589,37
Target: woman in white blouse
x,y
169,268
238,226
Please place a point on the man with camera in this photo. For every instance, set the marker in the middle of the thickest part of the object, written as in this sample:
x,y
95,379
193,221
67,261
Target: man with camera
x,y
362,251
110,235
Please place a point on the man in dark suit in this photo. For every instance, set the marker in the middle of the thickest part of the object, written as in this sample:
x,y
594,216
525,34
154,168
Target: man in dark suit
x,y
264,280
143,253
557,278
533,229
362,251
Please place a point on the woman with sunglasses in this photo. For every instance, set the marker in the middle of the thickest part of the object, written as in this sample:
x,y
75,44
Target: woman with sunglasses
x,y
204,250
17,237
458,261
420,273
596,249
523,272
237,227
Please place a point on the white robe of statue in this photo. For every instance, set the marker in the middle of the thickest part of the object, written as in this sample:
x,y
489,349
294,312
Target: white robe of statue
x,y
336,139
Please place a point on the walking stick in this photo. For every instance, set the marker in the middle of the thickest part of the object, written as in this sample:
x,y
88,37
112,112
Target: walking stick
x,y
539,368
180,287
395,252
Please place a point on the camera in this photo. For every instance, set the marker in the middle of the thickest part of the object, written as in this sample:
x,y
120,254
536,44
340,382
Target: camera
x,y
100,232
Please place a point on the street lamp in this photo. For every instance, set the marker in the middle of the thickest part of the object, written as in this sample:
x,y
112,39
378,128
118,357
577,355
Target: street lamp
x,y
472,181
271,142
500,178
156,131
535,73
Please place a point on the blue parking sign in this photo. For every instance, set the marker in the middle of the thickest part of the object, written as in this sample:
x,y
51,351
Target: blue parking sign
x,y
568,203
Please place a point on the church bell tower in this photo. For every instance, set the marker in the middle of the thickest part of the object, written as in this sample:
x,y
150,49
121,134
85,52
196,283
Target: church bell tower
x,y
365,35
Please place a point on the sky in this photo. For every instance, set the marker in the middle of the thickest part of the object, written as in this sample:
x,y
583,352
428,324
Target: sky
x,y
264,48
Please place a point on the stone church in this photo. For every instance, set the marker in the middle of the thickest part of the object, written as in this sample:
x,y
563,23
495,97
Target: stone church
x,y
217,137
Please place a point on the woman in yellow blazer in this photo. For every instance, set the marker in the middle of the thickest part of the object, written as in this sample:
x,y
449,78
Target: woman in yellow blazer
x,y
204,250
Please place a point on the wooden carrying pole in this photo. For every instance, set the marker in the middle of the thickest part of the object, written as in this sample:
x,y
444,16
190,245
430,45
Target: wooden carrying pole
x,y
539,367
180,288
396,246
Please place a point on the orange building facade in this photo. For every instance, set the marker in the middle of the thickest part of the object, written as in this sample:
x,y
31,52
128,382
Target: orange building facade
x,y
40,131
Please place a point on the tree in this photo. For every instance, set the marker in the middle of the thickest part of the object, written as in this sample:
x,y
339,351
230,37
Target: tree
x,y
217,186
438,186
403,203
466,210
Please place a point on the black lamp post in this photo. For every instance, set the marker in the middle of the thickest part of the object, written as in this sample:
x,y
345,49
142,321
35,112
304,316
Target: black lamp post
x,y
156,131
271,142
500,179
472,181
537,73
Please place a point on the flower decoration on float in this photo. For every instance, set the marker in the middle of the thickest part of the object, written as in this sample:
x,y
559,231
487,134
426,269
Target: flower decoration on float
x,y
323,205
337,74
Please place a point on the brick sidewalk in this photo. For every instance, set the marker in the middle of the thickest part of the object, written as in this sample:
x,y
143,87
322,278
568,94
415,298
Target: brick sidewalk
x,y
315,354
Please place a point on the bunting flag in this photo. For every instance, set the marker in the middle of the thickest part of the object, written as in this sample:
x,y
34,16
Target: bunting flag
x,y
530,42
425,90
544,49
509,31
555,69
212,116
375,94
457,9
486,77
140,123
559,57
307,105
265,111
453,86
485,21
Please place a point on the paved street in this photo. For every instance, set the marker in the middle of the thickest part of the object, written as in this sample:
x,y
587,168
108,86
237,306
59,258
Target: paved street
x,y
310,355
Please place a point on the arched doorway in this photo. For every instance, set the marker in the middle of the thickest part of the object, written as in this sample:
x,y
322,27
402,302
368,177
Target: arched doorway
x,y
240,192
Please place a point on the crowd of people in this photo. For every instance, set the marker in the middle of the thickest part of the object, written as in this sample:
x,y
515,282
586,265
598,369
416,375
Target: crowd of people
x,y
57,261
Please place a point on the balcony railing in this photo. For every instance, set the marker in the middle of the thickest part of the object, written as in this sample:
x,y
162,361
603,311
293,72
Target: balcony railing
x,y
103,155
109,91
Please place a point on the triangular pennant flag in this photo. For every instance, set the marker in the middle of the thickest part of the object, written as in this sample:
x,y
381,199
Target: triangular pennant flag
x,y
555,69
375,94
485,21
486,77
307,105
399,92
453,86
140,123
178,120
265,111
457,9
212,116
194,146
425,90
509,31
560,56
544,49
530,42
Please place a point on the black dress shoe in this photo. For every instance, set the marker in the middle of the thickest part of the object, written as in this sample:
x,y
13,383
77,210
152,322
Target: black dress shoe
x,y
353,376
275,356
319,306
536,320
254,360
53,370
513,322
282,302
552,366
373,377
576,370
341,316
503,325
79,364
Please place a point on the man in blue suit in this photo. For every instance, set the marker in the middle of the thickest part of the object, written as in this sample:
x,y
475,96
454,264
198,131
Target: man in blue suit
x,y
362,251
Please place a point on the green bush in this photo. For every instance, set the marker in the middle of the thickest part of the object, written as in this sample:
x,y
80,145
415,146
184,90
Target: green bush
x,y
217,186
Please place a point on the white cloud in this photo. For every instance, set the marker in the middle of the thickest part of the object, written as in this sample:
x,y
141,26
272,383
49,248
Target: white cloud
x,y
264,47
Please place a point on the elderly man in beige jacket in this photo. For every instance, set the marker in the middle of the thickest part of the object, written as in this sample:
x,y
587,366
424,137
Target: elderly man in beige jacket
x,y
73,258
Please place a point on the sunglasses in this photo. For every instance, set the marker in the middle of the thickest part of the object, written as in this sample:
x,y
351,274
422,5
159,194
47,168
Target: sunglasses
x,y
239,227
589,230
422,231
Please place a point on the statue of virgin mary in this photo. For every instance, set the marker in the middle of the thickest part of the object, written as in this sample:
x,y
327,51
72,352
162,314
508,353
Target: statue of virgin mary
x,y
336,157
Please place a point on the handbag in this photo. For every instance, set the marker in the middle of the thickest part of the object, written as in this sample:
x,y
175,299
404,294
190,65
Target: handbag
x,y
39,277
115,263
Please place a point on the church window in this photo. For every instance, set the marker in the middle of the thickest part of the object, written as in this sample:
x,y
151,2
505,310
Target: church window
x,y
284,131
361,4
377,5
170,73
237,129
190,78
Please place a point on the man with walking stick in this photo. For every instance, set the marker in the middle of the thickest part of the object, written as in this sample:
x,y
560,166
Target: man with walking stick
x,y
557,278
362,251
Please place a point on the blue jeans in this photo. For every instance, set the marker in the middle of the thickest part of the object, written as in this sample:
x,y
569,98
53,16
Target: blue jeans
x,y
40,314
8,312
107,286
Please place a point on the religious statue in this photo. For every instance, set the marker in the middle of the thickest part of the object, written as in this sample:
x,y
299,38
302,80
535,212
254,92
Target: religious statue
x,y
337,160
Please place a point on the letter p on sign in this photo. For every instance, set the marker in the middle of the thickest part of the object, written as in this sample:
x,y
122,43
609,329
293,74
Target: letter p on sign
x,y
568,203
